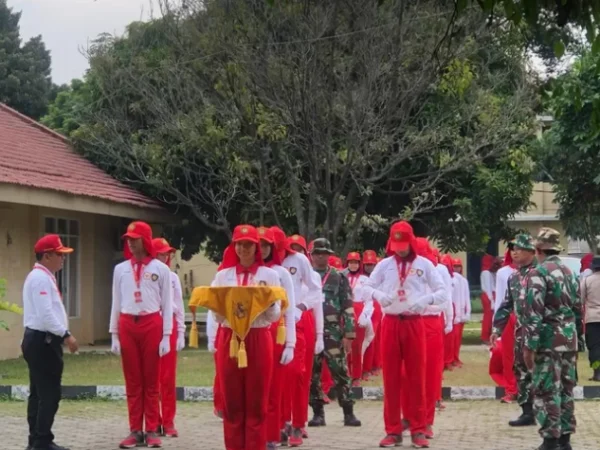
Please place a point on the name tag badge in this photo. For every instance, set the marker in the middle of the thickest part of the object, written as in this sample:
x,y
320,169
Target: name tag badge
x,y
402,295
137,295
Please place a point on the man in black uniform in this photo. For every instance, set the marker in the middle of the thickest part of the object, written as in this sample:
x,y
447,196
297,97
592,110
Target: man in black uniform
x,y
46,328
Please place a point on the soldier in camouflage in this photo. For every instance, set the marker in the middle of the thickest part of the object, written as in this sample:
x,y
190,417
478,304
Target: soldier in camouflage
x,y
513,303
552,312
338,334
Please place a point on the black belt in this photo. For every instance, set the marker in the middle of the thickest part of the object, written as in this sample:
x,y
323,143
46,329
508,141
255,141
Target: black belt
x,y
45,335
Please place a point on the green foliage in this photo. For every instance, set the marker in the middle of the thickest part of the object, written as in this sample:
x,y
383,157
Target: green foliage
x,y
6,306
25,83
240,113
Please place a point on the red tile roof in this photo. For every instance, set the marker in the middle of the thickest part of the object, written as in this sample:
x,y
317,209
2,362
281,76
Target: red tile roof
x,y
33,155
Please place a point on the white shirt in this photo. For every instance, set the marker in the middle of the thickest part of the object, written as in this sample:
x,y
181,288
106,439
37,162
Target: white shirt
x,y
211,327
488,284
502,277
228,277
318,305
586,273
178,308
301,271
385,280
461,298
290,321
356,283
43,309
156,294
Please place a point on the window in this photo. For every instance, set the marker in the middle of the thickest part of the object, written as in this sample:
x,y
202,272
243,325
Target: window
x,y
68,277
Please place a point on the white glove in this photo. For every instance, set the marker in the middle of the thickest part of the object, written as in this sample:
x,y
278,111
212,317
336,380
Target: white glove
x,y
165,346
364,320
287,356
384,299
180,341
417,306
297,314
448,329
319,345
115,348
211,346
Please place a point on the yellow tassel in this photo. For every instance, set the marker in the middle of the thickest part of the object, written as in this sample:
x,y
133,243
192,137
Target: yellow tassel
x,y
281,333
233,347
242,356
194,336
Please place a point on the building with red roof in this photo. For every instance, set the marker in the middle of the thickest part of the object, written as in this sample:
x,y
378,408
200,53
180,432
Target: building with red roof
x,y
46,187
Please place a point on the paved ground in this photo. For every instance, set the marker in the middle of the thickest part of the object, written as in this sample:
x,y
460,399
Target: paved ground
x,y
97,425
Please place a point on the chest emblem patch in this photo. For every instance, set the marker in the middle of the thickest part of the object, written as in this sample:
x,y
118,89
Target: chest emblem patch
x,y
293,270
154,277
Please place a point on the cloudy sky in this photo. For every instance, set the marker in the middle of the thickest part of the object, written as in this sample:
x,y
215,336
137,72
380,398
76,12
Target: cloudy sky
x,y
67,26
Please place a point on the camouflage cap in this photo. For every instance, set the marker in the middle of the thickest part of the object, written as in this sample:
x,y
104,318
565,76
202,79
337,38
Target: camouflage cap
x,y
524,241
322,245
548,239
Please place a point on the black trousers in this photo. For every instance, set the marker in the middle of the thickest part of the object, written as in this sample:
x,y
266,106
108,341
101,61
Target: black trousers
x,y
592,339
44,355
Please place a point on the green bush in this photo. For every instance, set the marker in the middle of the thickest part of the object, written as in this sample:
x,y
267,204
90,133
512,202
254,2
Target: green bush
x,y
6,306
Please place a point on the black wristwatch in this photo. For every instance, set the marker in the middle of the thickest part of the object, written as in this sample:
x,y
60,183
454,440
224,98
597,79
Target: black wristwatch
x,y
67,334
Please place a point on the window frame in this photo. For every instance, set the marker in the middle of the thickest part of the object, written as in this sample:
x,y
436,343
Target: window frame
x,y
75,254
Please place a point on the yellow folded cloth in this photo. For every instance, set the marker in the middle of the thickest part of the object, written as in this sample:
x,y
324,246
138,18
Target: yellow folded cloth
x,y
241,306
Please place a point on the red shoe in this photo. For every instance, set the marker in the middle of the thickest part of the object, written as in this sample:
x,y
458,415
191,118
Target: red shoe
x,y
429,432
419,441
440,405
153,441
295,439
326,400
391,440
133,440
304,433
171,432
218,414
508,399
355,383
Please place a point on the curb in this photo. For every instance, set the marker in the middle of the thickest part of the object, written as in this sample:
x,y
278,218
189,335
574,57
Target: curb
x,y
205,394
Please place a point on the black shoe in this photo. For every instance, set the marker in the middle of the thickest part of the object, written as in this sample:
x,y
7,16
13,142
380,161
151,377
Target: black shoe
x,y
565,442
350,419
318,419
549,444
596,376
526,419
51,446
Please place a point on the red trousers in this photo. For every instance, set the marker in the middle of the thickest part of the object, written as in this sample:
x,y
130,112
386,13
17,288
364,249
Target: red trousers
x,y
275,389
458,335
508,357
140,338
372,358
434,368
168,383
488,316
217,394
245,392
496,369
403,343
449,344
355,361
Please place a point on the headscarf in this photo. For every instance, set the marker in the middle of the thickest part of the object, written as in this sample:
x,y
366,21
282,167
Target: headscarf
x,y
160,245
508,261
446,260
139,230
424,250
241,233
487,262
586,262
354,256
266,234
281,242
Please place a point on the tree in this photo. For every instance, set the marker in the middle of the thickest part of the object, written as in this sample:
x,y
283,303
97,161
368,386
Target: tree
x,y
570,151
25,83
325,119
6,306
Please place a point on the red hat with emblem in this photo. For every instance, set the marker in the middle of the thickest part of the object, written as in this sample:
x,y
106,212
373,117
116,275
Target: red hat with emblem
x,y
51,243
353,256
335,262
143,231
161,245
298,240
241,233
369,257
401,238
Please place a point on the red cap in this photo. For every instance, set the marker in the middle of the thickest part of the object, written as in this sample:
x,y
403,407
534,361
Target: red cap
x,y
401,238
51,243
335,262
457,262
353,256
161,245
447,261
369,257
245,233
139,230
266,234
281,242
298,240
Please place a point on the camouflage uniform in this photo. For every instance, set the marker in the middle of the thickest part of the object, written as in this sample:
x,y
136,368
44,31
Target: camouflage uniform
x,y
514,303
338,313
551,312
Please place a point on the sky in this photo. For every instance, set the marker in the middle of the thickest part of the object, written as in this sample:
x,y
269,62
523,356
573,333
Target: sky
x,y
68,26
